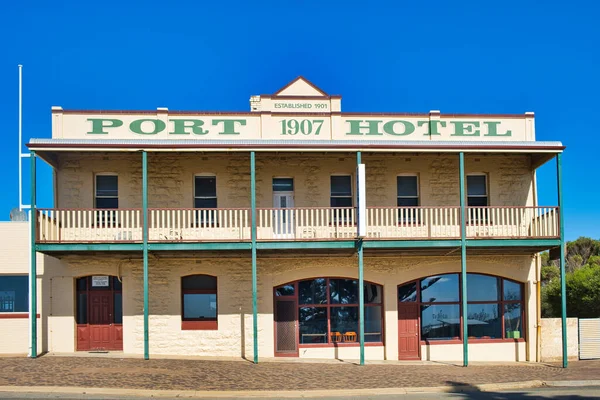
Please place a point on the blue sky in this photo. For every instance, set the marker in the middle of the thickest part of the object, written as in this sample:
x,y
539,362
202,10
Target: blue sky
x,y
464,57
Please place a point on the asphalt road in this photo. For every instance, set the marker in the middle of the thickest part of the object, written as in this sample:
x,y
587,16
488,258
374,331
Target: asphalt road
x,y
526,394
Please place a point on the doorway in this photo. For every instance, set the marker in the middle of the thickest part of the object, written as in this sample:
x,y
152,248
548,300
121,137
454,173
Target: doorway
x,y
286,326
409,347
283,204
99,313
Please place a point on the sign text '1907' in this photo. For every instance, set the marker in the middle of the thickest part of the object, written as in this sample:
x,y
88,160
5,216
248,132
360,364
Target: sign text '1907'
x,y
305,126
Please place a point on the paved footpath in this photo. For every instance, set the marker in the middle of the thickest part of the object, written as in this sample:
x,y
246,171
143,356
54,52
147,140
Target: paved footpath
x,y
209,375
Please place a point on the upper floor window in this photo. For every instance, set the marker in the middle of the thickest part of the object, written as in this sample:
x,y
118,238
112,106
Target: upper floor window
x,y
14,294
205,192
199,302
477,193
283,184
107,191
408,190
341,191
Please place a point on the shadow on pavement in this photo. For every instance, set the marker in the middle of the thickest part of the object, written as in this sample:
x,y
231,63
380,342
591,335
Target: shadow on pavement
x,y
467,391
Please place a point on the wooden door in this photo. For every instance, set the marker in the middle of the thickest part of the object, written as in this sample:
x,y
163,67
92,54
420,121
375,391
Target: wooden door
x,y
409,347
99,313
101,320
286,328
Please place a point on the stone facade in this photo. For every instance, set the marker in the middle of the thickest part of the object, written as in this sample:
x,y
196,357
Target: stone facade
x,y
233,338
171,177
551,339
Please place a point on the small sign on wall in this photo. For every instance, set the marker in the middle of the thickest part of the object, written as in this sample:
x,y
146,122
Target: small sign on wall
x,y
99,281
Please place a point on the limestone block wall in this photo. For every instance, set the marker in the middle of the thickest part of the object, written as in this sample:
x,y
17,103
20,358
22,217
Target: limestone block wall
x,y
171,177
551,339
233,338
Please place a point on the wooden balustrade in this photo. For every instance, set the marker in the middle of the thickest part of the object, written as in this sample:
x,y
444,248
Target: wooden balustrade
x,y
320,223
512,222
198,224
89,225
316,223
413,222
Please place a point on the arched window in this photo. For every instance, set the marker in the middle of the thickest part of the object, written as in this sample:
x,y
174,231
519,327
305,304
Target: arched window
x,y
198,302
495,308
327,310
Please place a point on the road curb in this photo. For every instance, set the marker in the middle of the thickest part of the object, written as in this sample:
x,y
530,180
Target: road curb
x,y
486,387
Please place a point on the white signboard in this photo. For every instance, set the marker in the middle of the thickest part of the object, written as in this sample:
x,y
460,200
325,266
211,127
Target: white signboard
x,y
99,281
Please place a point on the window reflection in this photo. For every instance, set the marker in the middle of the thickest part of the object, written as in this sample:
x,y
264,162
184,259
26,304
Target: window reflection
x,y
328,310
343,291
439,322
512,290
408,292
512,320
439,289
199,306
313,291
313,325
484,321
285,290
372,293
483,288
492,303
373,325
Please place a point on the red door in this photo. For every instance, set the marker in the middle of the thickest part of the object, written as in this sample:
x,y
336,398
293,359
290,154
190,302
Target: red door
x,y
101,320
408,332
97,311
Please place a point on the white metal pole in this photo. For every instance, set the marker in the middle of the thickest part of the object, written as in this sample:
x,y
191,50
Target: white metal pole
x,y
31,316
21,154
20,136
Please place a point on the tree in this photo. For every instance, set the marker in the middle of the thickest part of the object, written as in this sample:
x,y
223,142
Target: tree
x,y
583,294
582,264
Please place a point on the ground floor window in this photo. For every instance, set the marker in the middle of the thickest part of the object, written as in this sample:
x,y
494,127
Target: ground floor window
x,y
495,308
327,310
198,302
14,293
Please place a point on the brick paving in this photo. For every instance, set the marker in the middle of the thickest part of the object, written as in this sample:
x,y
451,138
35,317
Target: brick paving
x,y
163,374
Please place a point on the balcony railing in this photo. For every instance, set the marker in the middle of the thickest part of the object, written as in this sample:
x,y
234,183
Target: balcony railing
x,y
318,223
89,225
207,225
194,224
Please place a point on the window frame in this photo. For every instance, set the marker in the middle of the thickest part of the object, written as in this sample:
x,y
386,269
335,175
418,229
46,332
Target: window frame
x,y
17,314
205,217
406,214
283,191
418,196
215,197
487,188
501,304
96,175
351,196
328,305
205,324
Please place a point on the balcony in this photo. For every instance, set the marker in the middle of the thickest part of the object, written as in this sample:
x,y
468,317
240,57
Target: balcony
x,y
293,224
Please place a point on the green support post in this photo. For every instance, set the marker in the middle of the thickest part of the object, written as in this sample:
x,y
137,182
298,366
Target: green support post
x,y
145,249
463,260
361,282
253,234
33,271
563,286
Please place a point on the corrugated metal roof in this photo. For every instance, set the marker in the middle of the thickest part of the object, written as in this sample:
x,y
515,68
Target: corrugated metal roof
x,y
287,143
